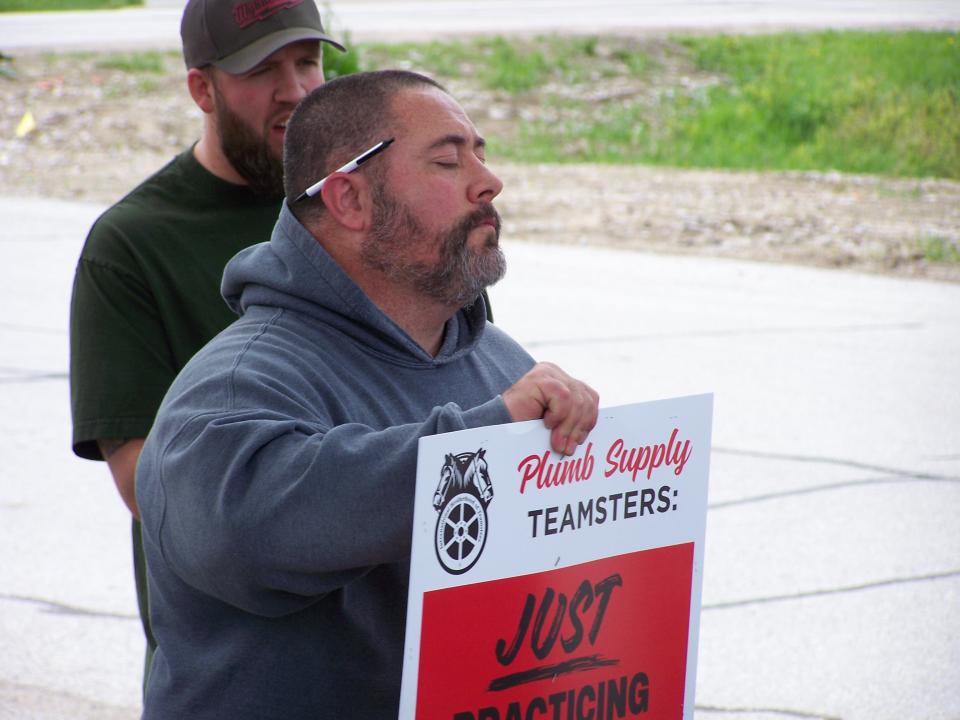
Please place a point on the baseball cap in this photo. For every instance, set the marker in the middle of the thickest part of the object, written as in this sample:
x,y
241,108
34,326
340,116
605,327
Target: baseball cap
x,y
236,35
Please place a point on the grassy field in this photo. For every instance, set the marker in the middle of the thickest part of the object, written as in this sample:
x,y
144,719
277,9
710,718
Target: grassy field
x,y
857,102
629,101
861,102
43,5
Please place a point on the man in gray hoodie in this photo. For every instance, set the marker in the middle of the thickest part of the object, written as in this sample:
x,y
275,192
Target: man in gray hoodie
x,y
276,487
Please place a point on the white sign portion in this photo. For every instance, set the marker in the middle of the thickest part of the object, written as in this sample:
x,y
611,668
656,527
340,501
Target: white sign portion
x,y
539,581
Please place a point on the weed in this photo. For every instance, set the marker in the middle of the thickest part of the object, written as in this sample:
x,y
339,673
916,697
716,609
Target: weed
x,y
512,69
854,101
336,63
940,249
149,61
861,102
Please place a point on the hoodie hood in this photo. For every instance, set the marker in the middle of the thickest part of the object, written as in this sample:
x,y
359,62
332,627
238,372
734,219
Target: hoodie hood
x,y
293,272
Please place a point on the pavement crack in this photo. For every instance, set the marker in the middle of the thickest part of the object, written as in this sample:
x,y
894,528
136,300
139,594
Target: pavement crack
x,y
728,332
32,329
10,375
949,574
868,482
824,460
764,711
57,608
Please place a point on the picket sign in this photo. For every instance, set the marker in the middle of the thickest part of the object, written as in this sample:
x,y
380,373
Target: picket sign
x,y
544,586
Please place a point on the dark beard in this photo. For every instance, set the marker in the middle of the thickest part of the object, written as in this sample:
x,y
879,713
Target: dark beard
x,y
459,275
249,155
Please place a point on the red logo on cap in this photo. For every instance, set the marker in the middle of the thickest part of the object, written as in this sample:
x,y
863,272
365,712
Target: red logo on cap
x,y
250,12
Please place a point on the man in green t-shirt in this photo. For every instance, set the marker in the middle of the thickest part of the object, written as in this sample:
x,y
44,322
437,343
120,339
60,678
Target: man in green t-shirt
x,y
146,294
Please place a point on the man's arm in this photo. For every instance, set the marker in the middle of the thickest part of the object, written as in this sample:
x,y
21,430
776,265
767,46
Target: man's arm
x,y
121,456
267,506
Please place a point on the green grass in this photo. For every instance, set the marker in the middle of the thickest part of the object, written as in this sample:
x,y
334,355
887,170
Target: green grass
x,y
940,250
43,5
884,103
149,61
445,60
514,67
858,102
336,63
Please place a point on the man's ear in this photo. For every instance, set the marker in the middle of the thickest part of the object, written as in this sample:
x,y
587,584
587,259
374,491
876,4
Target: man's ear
x,y
200,85
348,201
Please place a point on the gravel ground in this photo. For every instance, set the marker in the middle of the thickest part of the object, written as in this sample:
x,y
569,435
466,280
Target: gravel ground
x,y
100,130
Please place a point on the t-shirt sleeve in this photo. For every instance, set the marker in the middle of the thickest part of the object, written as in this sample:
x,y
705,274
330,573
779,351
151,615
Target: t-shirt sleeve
x,y
120,362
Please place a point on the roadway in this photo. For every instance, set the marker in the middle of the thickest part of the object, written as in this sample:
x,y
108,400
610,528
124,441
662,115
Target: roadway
x,y
157,24
832,572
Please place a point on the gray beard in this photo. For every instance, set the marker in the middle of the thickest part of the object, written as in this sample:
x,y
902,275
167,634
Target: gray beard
x,y
459,275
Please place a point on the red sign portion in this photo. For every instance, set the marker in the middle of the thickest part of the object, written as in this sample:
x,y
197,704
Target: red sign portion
x,y
605,639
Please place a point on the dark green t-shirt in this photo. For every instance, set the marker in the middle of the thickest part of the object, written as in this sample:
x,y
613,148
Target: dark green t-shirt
x,y
146,294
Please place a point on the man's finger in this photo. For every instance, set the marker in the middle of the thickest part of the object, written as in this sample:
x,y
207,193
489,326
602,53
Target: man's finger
x,y
568,407
576,416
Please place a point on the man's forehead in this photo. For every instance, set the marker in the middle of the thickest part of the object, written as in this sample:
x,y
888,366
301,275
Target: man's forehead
x,y
432,119
458,140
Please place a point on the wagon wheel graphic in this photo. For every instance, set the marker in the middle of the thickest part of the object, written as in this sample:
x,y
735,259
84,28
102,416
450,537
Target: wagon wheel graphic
x,y
461,532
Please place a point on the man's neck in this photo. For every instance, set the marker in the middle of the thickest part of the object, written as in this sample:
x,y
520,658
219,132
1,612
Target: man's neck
x,y
425,327
208,153
423,319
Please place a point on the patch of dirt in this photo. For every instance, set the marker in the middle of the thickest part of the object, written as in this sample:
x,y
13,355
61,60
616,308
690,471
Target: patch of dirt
x,y
99,131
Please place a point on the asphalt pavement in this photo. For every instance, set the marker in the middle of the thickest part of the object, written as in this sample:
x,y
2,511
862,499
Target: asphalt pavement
x,y
832,571
157,24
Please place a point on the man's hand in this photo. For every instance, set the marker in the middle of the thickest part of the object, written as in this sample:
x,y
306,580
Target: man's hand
x,y
569,407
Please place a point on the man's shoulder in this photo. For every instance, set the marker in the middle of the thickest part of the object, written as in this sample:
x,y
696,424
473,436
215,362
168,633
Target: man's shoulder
x,y
139,210
495,335
163,188
169,212
502,350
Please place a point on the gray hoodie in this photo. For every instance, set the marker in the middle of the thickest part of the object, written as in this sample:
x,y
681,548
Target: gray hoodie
x,y
276,490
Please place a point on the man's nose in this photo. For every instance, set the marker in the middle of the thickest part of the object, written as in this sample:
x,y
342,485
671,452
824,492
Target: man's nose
x,y
485,186
291,87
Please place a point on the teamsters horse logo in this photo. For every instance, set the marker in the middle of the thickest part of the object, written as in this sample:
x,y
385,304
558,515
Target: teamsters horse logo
x,y
461,500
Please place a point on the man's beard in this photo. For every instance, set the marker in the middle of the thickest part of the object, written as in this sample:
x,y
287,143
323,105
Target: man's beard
x,y
458,276
249,154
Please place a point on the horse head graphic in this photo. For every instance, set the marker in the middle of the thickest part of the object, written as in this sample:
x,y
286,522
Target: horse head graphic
x,y
461,499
